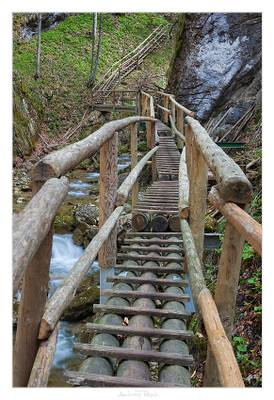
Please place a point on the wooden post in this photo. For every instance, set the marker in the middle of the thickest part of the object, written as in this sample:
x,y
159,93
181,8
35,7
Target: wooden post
x,y
134,161
31,309
165,104
188,144
197,197
180,126
107,200
173,111
114,99
151,127
226,293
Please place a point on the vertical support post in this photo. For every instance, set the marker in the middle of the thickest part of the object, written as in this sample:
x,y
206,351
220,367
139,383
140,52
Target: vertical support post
x,y
107,199
173,111
31,309
225,293
188,144
134,161
197,197
152,129
165,104
180,126
139,103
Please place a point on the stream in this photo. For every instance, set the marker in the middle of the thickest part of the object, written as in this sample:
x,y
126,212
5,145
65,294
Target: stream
x,y
64,255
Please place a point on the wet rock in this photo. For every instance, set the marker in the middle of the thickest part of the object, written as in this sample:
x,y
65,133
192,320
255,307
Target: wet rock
x,y
87,214
87,294
217,55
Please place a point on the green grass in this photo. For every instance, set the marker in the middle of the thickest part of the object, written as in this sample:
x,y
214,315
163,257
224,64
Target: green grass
x,y
65,61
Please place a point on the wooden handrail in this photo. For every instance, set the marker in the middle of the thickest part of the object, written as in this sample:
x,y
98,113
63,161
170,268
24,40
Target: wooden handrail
x,y
232,182
183,203
61,161
126,186
167,110
33,224
250,229
228,369
65,293
175,130
178,105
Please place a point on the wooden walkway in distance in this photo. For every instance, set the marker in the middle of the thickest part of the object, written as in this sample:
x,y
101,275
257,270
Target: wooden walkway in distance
x,y
145,336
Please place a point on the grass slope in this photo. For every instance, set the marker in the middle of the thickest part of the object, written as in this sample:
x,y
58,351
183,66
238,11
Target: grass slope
x,y
65,62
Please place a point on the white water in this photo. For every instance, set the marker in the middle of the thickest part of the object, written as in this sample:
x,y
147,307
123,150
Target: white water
x,y
64,255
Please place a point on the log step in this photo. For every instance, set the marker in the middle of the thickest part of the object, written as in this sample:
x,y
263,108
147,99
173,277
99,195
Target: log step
x,y
160,234
146,332
76,378
137,294
151,312
141,281
153,241
142,257
152,248
121,353
145,268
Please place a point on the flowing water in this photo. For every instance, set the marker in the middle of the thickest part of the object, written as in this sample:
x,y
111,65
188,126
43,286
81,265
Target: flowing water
x,y
64,255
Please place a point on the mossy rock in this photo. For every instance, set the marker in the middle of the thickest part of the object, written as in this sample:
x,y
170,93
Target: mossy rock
x,y
81,306
210,224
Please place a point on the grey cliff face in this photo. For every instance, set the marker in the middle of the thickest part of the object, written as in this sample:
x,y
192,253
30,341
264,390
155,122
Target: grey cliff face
x,y
218,54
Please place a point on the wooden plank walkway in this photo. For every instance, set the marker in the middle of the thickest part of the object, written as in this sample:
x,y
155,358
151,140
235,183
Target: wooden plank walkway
x,y
143,322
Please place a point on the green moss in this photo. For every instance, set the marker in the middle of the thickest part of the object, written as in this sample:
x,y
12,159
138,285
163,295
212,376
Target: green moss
x,y
178,42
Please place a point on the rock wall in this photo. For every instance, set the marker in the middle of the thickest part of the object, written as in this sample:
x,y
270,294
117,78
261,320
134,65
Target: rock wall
x,y
217,63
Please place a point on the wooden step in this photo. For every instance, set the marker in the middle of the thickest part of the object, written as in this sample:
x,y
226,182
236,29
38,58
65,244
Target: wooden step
x,y
131,233
152,248
155,211
146,332
76,378
151,312
145,268
153,241
142,257
139,280
122,353
137,294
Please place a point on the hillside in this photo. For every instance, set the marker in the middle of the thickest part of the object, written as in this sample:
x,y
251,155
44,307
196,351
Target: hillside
x,y
39,106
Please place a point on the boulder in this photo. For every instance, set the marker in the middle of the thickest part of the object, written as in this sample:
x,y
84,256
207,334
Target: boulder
x,y
86,295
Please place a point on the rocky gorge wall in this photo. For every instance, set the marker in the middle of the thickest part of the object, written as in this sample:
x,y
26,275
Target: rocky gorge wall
x,y
217,64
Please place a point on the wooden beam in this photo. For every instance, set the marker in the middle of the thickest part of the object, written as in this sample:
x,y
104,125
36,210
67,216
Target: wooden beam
x,y
134,161
149,257
197,197
135,294
250,229
65,293
151,312
107,198
125,188
34,223
61,161
87,379
183,203
141,281
31,308
146,332
42,365
232,182
226,292
145,268
132,354
228,370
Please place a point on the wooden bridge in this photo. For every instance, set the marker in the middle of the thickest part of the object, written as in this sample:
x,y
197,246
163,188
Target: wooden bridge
x,y
151,287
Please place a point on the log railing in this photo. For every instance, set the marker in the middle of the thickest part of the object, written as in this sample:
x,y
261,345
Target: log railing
x,y
33,240
199,155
